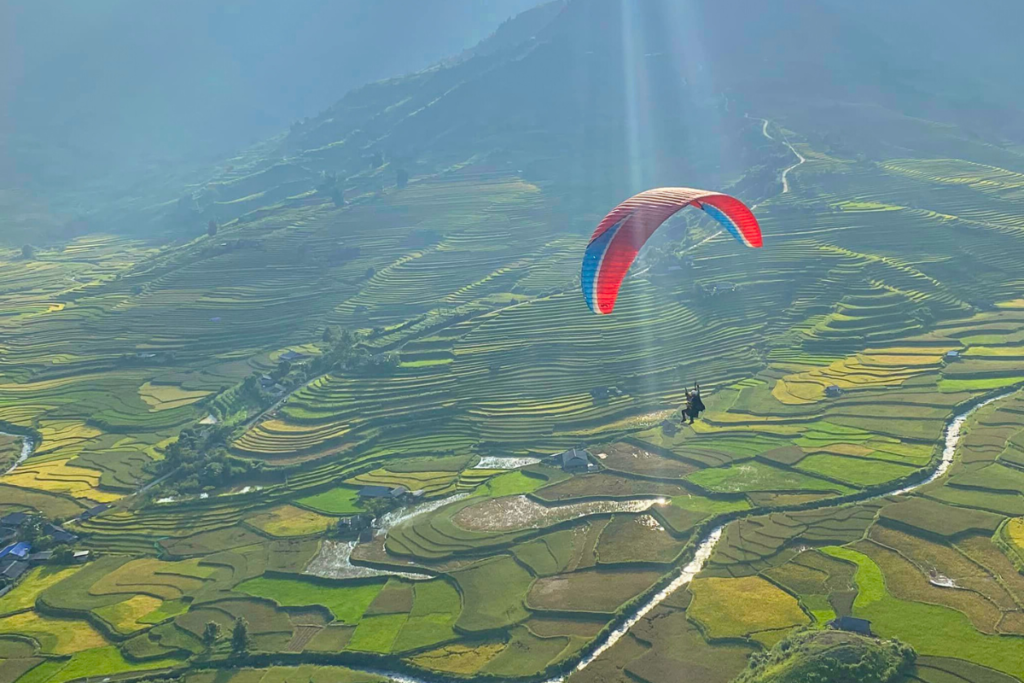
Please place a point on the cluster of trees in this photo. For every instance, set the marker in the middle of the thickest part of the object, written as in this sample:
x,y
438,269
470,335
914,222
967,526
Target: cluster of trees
x,y
199,461
240,639
378,364
38,531
342,354
378,507
340,346
345,355
35,531
254,393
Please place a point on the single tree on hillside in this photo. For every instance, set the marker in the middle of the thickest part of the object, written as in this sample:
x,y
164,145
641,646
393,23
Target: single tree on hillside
x,y
240,636
211,228
28,252
211,634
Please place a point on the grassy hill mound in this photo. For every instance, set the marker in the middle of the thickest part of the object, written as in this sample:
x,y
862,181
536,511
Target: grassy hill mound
x,y
833,657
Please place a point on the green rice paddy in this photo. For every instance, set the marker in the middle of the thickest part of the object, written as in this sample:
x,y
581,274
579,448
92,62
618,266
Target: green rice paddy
x,y
337,501
346,603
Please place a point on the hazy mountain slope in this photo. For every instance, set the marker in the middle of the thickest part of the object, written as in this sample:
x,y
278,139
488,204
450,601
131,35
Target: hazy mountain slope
x,y
605,96
596,60
114,91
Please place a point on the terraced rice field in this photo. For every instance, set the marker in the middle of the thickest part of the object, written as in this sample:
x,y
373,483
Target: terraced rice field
x,y
827,373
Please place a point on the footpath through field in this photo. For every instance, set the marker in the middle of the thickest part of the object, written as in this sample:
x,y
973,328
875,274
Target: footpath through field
x,y
800,157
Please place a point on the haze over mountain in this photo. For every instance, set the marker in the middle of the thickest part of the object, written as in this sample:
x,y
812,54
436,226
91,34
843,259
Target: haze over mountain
x,y
598,95
604,97
115,90
606,63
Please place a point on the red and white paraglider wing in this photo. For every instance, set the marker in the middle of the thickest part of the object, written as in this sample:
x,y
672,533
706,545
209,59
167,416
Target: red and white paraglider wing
x,y
619,237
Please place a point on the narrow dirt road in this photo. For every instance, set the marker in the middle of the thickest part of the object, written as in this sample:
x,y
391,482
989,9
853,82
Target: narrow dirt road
x,y
800,157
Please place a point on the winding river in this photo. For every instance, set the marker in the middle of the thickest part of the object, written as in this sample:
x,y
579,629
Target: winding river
x,y
27,444
707,547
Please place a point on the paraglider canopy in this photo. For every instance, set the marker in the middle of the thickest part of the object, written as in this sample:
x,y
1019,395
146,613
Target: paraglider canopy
x,y
620,235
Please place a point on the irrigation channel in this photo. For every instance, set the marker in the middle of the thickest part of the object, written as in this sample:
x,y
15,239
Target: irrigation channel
x,y
27,444
707,546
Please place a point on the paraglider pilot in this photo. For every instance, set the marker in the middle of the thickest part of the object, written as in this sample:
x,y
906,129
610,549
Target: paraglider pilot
x,y
694,406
